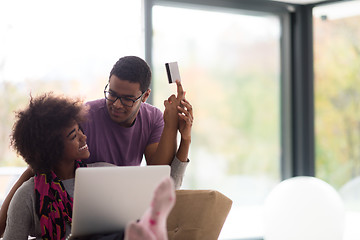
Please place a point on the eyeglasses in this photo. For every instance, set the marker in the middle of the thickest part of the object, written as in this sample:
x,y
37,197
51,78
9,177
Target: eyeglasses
x,y
112,97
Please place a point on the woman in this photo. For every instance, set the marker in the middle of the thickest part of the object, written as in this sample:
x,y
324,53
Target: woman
x,y
48,136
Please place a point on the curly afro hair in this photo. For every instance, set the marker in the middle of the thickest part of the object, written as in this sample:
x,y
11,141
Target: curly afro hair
x,y
133,69
37,132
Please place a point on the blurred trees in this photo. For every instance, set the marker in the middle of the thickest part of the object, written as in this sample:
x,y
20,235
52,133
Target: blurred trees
x,y
337,99
11,99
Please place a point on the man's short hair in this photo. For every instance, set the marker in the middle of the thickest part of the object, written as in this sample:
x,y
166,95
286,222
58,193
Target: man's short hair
x,y
133,69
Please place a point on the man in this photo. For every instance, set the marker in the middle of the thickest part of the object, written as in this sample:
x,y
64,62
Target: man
x,y
122,127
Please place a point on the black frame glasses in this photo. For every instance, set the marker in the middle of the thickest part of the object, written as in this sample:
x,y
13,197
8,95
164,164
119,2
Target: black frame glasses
x,y
127,102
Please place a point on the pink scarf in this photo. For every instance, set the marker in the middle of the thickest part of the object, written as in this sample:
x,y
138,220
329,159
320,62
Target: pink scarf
x,y
53,204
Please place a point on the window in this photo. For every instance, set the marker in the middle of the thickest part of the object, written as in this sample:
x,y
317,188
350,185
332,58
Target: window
x,y
230,67
337,101
230,64
62,46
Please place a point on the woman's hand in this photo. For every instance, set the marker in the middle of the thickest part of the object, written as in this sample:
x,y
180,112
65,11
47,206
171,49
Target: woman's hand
x,y
186,119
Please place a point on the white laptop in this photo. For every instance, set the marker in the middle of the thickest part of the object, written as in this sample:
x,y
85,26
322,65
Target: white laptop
x,y
107,198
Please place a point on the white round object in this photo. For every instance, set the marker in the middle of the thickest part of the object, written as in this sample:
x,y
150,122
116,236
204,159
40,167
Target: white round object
x,y
304,208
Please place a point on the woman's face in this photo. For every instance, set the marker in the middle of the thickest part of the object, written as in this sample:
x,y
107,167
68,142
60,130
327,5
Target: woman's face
x,y
75,146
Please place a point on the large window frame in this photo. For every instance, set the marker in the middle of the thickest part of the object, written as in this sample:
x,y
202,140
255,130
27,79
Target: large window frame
x,y
302,92
297,123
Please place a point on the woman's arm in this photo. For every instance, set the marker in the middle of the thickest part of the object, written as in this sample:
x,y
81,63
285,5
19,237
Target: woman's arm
x,y
163,152
180,162
21,214
186,119
27,174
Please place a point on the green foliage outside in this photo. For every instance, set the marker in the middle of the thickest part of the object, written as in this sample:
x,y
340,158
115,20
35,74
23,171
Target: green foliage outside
x,y
237,114
15,96
232,79
337,99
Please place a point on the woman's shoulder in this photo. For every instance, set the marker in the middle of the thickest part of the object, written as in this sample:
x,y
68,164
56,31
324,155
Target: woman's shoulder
x,y
25,194
27,187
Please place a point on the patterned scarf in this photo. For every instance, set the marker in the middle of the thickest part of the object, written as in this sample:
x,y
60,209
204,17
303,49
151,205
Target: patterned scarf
x,y
53,204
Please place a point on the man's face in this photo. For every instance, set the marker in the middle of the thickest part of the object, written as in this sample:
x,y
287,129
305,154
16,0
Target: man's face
x,y
120,113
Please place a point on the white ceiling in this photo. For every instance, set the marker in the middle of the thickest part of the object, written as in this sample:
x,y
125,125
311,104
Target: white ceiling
x,y
300,1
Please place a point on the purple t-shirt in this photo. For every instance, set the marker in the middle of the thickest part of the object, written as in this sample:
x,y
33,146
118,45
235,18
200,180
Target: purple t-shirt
x,y
112,143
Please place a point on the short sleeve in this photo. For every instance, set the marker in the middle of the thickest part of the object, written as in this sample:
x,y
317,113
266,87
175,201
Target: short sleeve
x,y
157,126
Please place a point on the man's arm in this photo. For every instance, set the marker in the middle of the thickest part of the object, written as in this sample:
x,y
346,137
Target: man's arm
x,y
27,174
162,153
